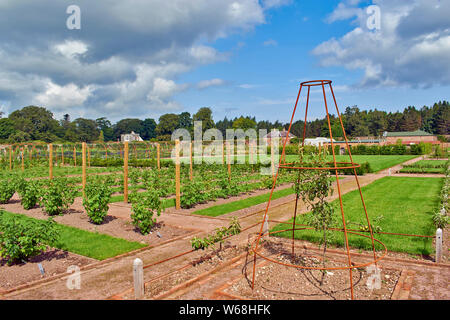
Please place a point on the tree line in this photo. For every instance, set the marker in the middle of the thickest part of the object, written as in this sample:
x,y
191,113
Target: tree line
x,y
33,123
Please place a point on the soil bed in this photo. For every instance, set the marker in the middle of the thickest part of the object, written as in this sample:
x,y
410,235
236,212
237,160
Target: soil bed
x,y
54,262
279,282
113,226
201,261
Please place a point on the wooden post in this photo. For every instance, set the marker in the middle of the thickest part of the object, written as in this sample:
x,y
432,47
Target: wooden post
x,y
23,165
177,175
138,278
438,245
191,173
158,155
83,163
10,157
50,161
125,173
62,155
89,155
74,156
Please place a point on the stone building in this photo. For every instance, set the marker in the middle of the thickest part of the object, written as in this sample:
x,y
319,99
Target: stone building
x,y
409,137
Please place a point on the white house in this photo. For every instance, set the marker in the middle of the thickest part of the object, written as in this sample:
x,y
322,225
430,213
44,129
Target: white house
x,y
128,137
317,141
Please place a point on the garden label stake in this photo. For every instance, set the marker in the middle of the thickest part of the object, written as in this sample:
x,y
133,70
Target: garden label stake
x,y
316,171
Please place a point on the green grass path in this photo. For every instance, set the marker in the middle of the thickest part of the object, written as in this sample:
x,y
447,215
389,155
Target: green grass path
x,y
406,203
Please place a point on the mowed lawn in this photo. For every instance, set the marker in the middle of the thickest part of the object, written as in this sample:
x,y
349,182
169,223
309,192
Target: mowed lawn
x,y
407,205
377,162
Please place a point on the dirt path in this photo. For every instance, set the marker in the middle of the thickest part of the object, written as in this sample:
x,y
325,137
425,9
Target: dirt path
x,y
114,277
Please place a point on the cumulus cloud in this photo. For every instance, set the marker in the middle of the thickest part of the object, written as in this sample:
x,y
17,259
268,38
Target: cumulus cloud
x,y
126,58
410,48
60,97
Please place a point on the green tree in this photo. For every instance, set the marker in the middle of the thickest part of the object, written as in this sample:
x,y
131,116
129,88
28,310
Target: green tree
x,y
148,129
167,124
205,116
86,129
101,137
6,128
185,120
105,126
244,123
441,119
19,136
126,126
36,121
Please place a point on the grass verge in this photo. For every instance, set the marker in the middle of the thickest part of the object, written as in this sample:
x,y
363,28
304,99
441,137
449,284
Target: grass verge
x,y
406,203
89,244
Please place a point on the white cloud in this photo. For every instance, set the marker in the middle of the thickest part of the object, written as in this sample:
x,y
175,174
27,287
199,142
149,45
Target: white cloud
x,y
247,86
267,4
71,48
270,42
63,97
411,48
210,83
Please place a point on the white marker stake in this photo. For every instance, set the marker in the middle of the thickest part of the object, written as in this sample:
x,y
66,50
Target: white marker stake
x,y
438,245
138,276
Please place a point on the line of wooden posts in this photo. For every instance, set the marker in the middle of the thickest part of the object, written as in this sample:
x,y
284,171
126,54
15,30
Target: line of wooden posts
x,y
85,155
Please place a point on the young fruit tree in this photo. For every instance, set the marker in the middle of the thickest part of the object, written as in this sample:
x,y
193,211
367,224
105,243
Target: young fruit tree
x,y
313,187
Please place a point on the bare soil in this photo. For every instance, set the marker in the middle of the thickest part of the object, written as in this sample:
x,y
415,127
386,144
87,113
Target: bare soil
x,y
200,262
113,225
53,261
279,282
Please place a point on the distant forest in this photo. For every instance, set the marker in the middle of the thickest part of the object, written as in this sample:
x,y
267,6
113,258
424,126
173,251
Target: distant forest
x,y
34,123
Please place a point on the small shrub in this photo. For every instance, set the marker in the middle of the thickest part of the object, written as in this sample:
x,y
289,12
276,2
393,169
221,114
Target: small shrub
x,y
7,189
57,196
21,239
28,192
191,194
97,194
144,206
440,220
217,237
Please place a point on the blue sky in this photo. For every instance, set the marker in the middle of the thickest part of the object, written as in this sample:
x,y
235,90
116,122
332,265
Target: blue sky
x,y
144,58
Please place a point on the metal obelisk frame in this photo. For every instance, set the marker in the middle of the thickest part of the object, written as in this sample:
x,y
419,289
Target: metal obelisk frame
x,y
333,167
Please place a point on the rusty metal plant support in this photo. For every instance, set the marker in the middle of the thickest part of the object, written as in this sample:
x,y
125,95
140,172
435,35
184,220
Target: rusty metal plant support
x,y
331,166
